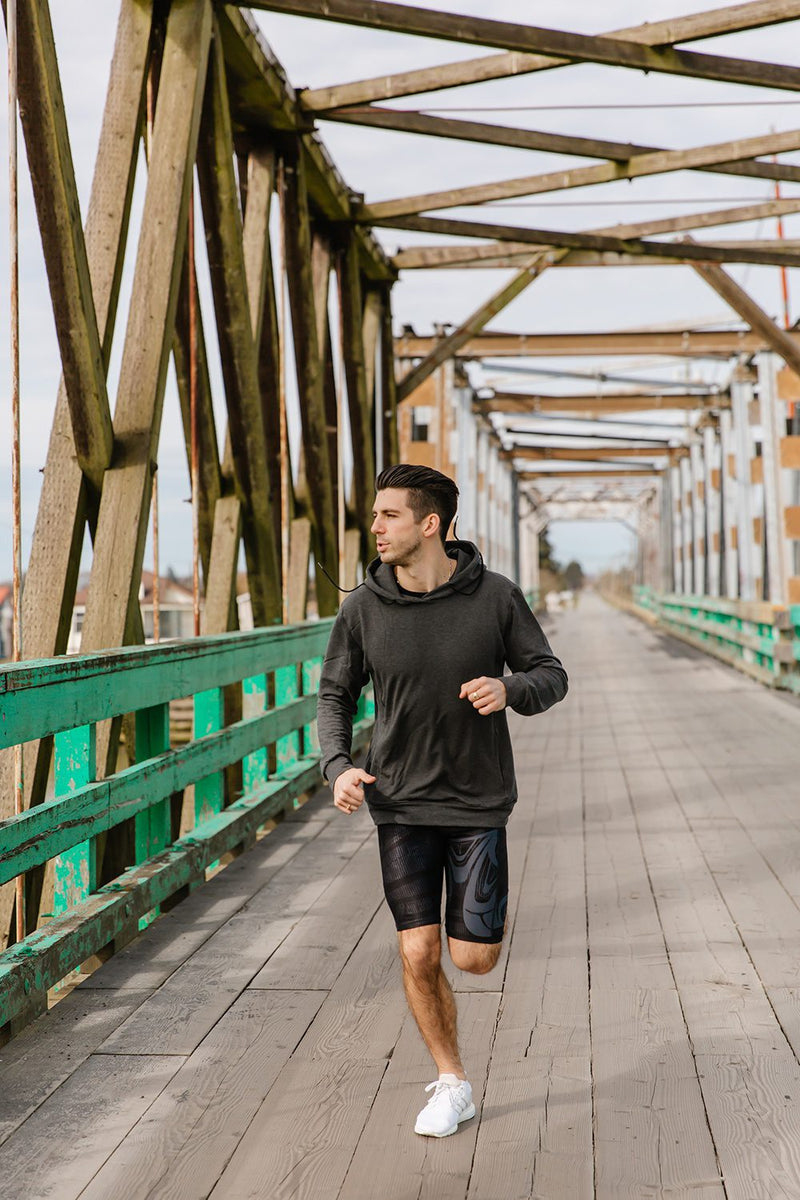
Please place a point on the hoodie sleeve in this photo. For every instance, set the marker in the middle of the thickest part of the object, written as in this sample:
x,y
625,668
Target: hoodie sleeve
x,y
343,677
538,679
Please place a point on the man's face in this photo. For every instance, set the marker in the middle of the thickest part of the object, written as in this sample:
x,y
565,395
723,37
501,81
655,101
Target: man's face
x,y
398,535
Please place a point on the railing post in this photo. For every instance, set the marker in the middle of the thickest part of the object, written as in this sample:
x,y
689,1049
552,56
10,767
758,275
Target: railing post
x,y
255,700
209,717
287,749
75,870
153,827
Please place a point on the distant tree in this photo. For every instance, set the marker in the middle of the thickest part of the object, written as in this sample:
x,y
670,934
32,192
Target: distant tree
x,y
546,560
573,576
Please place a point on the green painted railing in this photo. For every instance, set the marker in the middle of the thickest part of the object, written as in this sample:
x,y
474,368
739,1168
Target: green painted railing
x,y
759,638
271,675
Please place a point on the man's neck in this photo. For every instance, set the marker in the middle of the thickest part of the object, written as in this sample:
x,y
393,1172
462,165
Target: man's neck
x,y
426,576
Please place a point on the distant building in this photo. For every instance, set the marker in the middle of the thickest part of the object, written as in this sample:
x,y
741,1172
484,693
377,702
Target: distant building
x,y
441,426
6,620
176,611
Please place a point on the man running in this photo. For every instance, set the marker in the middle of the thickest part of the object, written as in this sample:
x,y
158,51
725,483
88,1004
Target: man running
x,y
433,629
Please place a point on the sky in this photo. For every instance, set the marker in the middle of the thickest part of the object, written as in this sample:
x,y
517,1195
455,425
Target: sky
x,y
586,100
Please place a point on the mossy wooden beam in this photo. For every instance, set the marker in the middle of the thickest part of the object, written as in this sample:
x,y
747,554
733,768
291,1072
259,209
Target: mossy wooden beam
x,y
360,405
56,197
67,497
236,326
310,382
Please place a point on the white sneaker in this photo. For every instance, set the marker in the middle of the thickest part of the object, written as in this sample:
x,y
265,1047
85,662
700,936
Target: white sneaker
x,y
449,1105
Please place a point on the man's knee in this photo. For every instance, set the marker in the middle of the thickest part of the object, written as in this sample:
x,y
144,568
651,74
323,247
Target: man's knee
x,y
478,958
421,949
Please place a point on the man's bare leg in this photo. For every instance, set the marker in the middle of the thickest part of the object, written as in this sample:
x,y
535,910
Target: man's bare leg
x,y
430,996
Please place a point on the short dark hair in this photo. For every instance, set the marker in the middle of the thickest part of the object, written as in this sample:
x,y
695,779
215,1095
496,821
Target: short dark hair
x,y
428,491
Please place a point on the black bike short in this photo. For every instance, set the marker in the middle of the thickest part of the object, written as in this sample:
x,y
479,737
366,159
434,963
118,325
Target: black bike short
x,y
415,859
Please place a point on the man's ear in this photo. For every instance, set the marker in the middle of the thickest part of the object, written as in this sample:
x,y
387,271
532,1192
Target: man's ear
x,y
430,526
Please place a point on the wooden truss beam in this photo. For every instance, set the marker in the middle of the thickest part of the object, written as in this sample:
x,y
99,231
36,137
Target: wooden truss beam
x,y
688,343
56,196
587,454
608,258
572,47
452,343
296,221
528,139
66,498
237,272
448,256
660,162
359,395
263,101
499,66
680,252
580,473
777,339
119,545
601,404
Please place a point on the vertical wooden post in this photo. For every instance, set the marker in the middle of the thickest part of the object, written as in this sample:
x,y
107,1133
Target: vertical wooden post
x,y
728,482
696,474
678,582
297,236
75,870
689,583
152,828
741,397
773,427
713,481
391,439
255,700
209,717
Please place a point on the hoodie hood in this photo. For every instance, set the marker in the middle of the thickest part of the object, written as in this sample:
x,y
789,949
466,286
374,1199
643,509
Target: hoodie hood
x,y
466,578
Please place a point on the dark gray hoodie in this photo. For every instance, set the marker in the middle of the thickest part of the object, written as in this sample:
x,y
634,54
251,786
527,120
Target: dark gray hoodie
x,y
437,760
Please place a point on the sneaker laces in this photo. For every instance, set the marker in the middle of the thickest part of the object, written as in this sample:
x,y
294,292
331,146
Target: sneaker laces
x,y
440,1085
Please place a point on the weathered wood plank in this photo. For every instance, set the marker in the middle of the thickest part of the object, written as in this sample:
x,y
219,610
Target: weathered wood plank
x,y
138,791
313,1147
651,1132
359,401
56,197
236,281
176,1018
93,1110
119,544
574,47
436,1173
297,235
46,956
500,66
66,498
180,1146
171,941
63,693
41,1057
536,1127
319,945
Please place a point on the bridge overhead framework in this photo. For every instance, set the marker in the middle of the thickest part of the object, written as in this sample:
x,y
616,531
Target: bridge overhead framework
x,y
299,376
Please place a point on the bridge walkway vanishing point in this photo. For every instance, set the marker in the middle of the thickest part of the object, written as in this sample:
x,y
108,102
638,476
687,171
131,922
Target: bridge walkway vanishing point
x,y
639,1038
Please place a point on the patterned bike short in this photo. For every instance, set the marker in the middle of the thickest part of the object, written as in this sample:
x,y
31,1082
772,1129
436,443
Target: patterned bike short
x,y
473,863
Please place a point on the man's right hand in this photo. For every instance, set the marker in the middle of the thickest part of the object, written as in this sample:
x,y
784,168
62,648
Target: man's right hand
x,y
348,790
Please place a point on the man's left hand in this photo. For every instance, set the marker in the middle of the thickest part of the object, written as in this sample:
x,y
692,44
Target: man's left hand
x,y
486,695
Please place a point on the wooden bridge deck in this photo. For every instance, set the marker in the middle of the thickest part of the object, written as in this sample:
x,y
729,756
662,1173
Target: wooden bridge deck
x,y
639,1038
